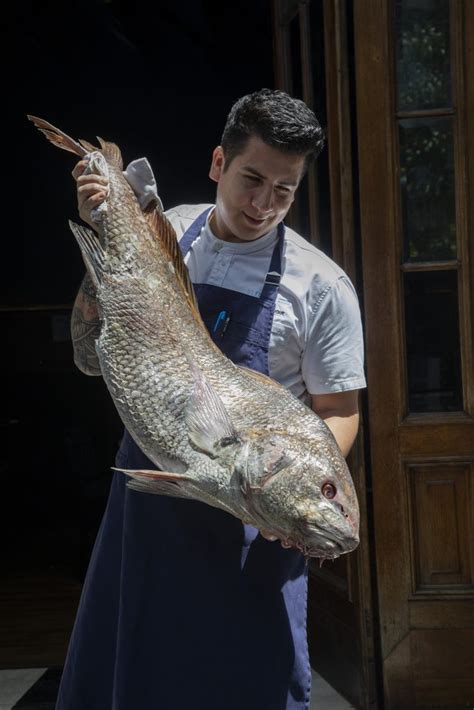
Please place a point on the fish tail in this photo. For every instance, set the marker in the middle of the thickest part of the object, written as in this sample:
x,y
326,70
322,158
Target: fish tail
x,y
88,146
57,137
111,153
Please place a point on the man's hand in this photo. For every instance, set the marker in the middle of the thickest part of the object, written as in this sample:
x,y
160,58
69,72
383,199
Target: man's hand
x,y
91,191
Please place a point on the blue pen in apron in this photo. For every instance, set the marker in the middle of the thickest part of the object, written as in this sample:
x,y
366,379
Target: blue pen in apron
x,y
222,321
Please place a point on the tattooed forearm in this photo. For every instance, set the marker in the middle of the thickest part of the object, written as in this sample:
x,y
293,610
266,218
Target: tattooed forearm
x,y
88,287
85,329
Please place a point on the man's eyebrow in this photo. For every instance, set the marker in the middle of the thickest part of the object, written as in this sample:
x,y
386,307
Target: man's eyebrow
x,y
286,183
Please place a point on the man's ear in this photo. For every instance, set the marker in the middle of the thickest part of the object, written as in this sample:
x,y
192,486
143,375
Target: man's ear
x,y
217,164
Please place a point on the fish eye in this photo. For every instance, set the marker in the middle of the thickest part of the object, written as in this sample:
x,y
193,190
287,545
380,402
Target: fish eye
x,y
328,490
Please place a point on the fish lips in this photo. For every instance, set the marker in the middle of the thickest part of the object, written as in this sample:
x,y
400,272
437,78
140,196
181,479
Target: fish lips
x,y
318,542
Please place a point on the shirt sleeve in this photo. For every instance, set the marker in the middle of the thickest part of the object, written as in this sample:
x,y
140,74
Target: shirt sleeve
x,y
333,359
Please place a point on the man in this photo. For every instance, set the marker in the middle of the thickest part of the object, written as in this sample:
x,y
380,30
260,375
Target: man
x,y
183,605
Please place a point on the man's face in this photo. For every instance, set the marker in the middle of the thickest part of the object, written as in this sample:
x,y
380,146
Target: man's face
x,y
255,192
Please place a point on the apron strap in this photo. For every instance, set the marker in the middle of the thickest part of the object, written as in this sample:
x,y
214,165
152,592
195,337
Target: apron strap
x,y
273,277
193,232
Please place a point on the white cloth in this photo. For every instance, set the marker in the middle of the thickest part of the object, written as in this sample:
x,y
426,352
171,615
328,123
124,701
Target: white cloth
x,y
140,177
316,343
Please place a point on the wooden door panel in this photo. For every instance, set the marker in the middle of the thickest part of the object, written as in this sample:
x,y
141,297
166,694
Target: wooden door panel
x,y
453,436
442,547
451,613
440,692
443,672
422,462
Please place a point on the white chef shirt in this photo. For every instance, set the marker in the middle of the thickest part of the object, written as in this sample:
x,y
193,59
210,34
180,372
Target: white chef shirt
x,y
316,343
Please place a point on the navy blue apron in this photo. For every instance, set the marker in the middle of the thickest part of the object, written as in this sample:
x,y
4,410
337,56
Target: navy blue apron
x,y
183,606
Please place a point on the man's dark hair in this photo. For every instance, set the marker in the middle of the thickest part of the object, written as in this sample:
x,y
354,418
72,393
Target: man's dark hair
x,y
276,118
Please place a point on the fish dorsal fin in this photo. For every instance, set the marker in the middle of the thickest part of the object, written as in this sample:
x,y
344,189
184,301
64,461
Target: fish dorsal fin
x,y
57,137
260,377
166,236
111,153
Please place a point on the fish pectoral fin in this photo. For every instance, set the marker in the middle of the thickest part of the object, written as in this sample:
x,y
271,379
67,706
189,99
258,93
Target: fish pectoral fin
x,y
209,424
92,251
139,473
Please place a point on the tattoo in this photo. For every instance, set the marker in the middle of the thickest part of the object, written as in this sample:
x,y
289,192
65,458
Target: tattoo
x,y
88,287
85,328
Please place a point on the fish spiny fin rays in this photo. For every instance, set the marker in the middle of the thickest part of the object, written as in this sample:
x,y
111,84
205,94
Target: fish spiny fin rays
x,y
209,424
57,137
166,236
111,153
92,251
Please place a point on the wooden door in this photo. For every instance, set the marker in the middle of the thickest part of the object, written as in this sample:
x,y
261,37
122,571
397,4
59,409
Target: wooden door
x,y
312,62
414,64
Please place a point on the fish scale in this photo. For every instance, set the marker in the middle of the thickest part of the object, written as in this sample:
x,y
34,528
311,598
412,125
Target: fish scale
x,y
220,434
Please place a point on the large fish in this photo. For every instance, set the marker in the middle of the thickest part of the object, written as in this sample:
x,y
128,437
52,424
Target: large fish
x,y
220,433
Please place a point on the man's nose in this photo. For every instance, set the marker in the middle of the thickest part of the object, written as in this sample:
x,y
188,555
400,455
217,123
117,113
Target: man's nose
x,y
262,199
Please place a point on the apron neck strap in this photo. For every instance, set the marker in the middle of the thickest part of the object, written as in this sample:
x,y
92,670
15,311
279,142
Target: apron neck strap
x,y
193,232
273,276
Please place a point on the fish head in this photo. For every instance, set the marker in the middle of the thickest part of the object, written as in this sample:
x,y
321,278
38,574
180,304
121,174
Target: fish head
x,y
300,489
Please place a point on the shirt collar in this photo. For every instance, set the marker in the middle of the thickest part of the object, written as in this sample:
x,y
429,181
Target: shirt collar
x,y
256,245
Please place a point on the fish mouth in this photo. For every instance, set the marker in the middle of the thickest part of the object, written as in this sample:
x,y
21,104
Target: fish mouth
x,y
316,542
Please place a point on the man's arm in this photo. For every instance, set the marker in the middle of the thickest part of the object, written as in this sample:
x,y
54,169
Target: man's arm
x,y
85,329
340,411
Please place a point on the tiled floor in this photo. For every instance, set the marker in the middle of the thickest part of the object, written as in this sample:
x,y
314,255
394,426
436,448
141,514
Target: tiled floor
x,y
324,697
15,683
35,689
